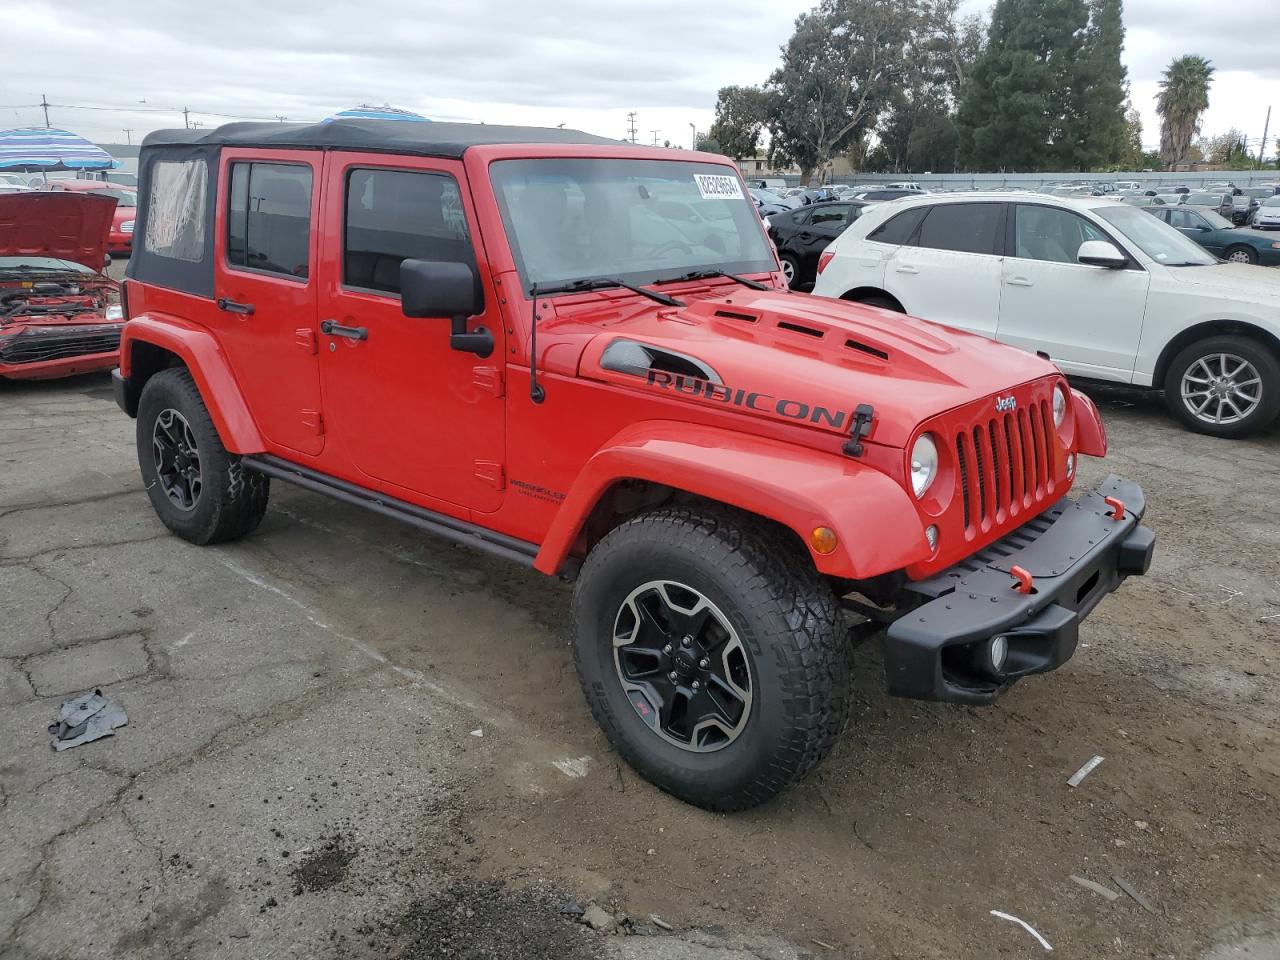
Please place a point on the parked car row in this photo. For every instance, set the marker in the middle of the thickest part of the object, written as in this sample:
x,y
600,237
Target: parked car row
x,y
1109,292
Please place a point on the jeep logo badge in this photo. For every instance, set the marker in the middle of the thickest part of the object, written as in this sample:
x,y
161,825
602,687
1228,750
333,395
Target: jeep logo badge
x,y
1006,404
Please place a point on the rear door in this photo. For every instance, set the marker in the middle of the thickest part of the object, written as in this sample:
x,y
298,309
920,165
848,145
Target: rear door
x,y
826,221
407,409
265,293
1088,319
949,271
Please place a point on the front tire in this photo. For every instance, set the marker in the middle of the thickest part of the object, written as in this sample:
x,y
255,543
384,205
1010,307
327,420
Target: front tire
x,y
1224,386
198,489
1242,255
711,655
790,269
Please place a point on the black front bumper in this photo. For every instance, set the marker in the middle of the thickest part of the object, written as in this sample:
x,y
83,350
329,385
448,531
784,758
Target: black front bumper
x,y
1076,552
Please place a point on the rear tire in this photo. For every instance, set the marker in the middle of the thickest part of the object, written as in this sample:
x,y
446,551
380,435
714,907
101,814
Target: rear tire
x,y
1224,386
790,668
198,490
884,303
1241,255
790,269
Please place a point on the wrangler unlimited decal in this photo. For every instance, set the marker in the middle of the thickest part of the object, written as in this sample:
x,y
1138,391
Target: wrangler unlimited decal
x,y
764,402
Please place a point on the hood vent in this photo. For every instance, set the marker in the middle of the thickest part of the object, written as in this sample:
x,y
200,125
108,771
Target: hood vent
x,y
639,359
864,348
733,315
800,328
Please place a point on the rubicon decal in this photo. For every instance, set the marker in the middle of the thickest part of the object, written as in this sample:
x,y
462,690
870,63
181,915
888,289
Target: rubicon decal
x,y
749,399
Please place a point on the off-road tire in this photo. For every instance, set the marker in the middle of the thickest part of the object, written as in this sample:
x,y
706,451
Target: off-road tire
x,y
232,499
1262,359
787,618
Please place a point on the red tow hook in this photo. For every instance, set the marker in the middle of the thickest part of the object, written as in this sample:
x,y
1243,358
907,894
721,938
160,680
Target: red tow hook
x,y
1117,507
1024,584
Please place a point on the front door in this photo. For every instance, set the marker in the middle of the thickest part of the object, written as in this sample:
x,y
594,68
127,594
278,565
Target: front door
x,y
265,292
1088,319
404,408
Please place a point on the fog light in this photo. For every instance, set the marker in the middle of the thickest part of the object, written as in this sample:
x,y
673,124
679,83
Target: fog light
x,y
931,534
823,540
997,651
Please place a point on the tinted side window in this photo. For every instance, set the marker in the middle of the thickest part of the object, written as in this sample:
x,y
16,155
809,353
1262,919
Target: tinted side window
x,y
1050,234
964,227
834,216
395,215
269,218
900,228
801,217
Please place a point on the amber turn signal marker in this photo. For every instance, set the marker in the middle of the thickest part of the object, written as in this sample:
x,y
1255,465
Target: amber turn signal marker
x,y
823,540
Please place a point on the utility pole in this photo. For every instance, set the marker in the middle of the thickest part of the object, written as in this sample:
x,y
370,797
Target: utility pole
x,y
281,118
44,102
128,135
693,133
1266,128
631,126
655,137
186,118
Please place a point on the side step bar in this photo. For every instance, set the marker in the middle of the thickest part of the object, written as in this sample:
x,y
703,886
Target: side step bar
x,y
459,531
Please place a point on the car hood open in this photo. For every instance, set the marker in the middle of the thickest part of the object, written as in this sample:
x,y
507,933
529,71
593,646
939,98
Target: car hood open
x,y
64,225
808,360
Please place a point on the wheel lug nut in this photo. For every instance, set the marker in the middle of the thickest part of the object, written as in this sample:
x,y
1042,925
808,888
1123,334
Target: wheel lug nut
x,y
674,676
686,641
696,685
667,649
704,663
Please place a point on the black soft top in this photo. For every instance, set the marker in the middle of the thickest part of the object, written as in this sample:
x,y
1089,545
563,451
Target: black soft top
x,y
427,139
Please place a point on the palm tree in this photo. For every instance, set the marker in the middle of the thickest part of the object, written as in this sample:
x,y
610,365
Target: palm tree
x,y
1183,97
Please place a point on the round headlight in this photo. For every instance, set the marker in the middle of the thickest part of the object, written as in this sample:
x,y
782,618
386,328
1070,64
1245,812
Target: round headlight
x,y
1059,405
924,464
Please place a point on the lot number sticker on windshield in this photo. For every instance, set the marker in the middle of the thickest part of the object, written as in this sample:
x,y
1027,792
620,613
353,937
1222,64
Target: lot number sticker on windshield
x,y
718,186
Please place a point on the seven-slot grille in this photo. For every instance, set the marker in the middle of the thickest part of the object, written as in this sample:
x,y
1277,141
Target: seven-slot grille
x,y
1005,464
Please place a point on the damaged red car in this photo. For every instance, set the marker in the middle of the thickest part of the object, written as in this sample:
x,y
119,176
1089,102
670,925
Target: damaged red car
x,y
59,314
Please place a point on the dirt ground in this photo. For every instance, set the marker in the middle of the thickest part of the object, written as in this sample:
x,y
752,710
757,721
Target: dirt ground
x,y
346,740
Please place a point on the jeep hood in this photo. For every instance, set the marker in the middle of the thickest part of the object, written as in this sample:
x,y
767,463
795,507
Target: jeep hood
x,y
809,360
65,225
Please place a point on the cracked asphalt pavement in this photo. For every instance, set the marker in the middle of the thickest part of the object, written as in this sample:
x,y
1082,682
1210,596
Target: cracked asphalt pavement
x,y
348,740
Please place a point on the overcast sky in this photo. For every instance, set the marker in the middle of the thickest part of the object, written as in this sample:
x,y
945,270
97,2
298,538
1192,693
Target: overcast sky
x,y
583,63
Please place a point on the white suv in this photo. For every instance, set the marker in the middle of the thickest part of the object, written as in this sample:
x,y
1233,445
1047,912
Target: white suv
x,y
1106,290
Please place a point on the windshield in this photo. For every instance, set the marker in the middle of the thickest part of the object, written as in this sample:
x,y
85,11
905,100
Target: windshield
x,y
124,198
1155,238
766,196
8,264
1204,199
1273,202
637,220
1216,220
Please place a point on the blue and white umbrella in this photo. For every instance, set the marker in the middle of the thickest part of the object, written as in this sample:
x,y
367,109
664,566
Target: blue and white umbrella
x,y
38,149
366,112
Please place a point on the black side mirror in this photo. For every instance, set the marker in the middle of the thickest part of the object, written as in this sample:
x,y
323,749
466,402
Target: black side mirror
x,y
441,288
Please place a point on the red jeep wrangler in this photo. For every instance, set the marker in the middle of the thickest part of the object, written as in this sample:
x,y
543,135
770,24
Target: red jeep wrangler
x,y
581,356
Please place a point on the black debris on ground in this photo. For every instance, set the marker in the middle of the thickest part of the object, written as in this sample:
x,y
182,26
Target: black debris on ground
x,y
486,921
325,866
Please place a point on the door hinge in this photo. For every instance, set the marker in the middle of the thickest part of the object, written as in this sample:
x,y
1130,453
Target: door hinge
x,y
313,421
305,337
491,472
488,378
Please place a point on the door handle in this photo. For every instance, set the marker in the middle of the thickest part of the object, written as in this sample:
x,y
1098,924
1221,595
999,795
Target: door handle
x,y
335,329
230,306
1019,282
907,268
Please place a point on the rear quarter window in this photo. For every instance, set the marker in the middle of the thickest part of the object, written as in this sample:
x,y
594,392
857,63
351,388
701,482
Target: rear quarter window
x,y
176,211
898,230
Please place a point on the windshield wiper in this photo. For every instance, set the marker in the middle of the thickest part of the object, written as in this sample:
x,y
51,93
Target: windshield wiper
x,y
605,283
711,274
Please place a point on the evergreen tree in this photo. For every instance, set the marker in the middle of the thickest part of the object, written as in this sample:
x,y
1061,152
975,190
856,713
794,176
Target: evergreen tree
x,y
1018,110
1100,92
